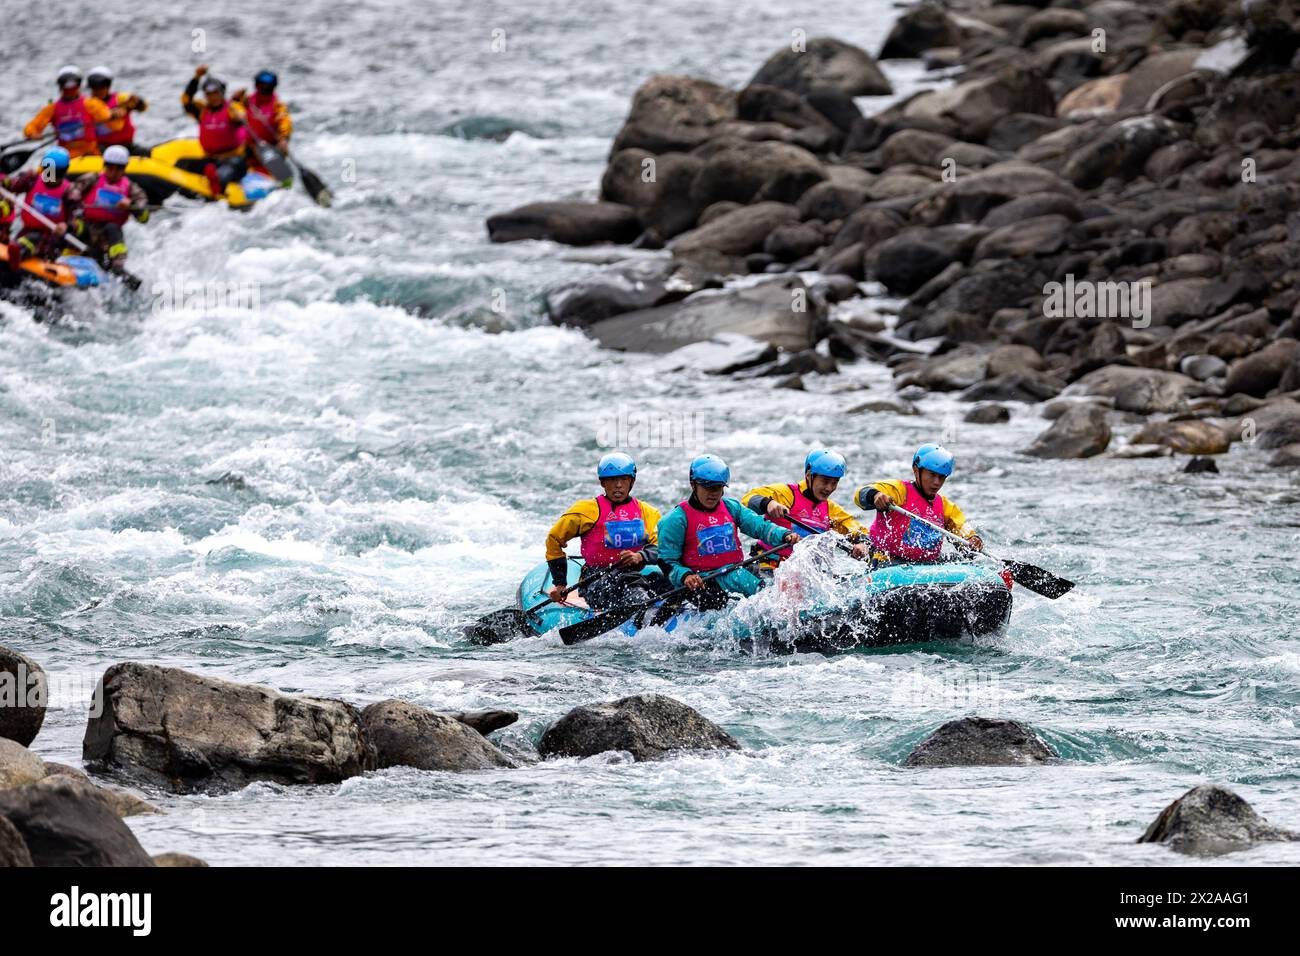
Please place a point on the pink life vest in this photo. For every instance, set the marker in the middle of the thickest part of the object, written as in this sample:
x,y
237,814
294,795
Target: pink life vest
x,y
48,201
261,117
218,132
712,540
616,530
900,537
100,204
73,122
124,135
816,515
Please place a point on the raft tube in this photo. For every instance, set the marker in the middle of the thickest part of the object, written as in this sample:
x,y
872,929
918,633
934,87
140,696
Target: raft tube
x,y
66,272
542,617
160,177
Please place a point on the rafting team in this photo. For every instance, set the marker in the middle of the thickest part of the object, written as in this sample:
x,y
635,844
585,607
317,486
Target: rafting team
x,y
95,207
620,536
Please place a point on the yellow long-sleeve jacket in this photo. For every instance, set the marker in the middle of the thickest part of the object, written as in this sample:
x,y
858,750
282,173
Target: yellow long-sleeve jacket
x,y
841,520
578,520
896,490
82,147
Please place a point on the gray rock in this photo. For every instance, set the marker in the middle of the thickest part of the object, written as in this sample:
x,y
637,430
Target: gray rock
x,y
18,765
767,311
64,825
570,222
23,696
745,172
1039,236
1260,373
13,848
1031,207
878,406
972,196
905,263
405,735
725,353
1203,367
648,726
185,732
1019,129
1079,433
825,62
123,803
829,201
988,413
1209,820
975,106
674,114
921,28
736,233
1200,465
1141,390
663,204
1027,386
793,241
952,371
1122,150
484,721
177,860
980,742
1186,437
917,146
626,287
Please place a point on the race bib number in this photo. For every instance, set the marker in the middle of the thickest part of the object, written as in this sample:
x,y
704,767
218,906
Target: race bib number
x,y
921,536
716,540
625,535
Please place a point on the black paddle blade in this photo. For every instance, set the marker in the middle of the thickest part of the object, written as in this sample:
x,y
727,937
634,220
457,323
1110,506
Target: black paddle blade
x,y
598,625
315,187
13,160
1037,580
498,627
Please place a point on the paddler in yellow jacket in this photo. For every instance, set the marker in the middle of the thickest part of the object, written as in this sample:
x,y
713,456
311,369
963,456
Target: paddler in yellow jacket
x,y
894,534
616,531
810,502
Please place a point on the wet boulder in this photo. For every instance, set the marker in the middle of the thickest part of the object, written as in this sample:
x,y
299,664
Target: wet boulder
x,y
778,312
674,114
64,824
980,742
626,287
1122,150
1079,433
405,735
484,721
656,188
571,222
975,106
735,233
828,63
1039,236
1260,373
1185,437
1209,820
987,413
123,803
648,726
23,696
1140,390
746,172
187,732
923,27
906,262
13,848
18,765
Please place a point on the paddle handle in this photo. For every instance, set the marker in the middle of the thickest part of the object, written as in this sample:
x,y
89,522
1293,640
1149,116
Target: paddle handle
x,y
47,223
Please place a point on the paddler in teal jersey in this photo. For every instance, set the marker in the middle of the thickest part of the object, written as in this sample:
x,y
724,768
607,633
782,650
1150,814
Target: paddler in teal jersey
x,y
615,531
895,535
703,534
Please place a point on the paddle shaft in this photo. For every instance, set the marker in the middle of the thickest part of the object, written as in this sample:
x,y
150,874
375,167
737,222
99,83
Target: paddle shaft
x,y
842,545
955,538
310,181
568,589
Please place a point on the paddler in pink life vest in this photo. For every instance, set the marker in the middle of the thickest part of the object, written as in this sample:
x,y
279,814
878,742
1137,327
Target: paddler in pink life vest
x,y
108,199
897,537
223,132
810,502
614,530
51,194
73,116
118,131
703,534
268,117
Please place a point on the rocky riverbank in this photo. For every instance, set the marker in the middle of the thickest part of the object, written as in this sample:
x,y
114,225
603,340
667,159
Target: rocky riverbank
x,y
1097,216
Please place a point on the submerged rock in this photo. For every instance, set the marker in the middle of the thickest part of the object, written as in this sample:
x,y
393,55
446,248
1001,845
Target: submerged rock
x,y
570,222
63,824
648,726
980,742
185,731
23,696
626,287
1200,466
405,735
1187,437
989,413
484,721
1081,432
1209,820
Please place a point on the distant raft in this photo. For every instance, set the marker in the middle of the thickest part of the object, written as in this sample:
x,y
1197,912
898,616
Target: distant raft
x,y
160,175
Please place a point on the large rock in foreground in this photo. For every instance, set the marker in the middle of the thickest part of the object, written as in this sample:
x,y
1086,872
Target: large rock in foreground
x,y
1080,433
13,848
18,765
405,735
648,726
23,695
980,742
1210,819
572,223
769,312
64,824
184,731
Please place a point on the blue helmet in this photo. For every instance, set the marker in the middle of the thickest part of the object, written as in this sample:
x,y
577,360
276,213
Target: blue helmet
x,y
825,462
266,78
58,158
710,470
616,465
934,458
